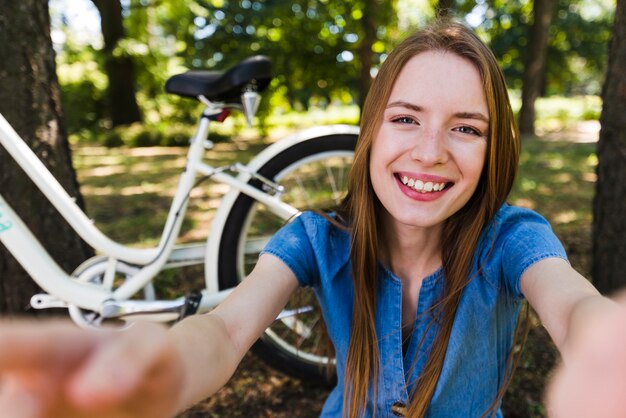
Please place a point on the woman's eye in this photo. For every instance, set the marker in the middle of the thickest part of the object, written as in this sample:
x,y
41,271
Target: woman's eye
x,y
468,130
403,120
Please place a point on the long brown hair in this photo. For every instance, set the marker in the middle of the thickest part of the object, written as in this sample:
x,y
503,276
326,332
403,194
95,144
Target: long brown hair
x,y
461,231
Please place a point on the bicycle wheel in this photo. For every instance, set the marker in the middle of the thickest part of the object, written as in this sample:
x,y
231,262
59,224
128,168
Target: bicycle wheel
x,y
314,174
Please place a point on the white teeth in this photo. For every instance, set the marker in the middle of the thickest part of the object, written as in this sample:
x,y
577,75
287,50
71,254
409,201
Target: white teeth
x,y
420,186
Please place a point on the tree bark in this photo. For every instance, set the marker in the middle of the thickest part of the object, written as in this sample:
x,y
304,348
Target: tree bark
x,y
534,69
122,101
609,206
30,101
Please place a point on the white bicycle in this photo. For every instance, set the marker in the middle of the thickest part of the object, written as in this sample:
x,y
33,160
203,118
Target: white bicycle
x,y
304,171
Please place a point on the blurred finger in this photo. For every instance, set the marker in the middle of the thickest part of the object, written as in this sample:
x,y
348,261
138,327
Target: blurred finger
x,y
592,381
19,402
33,345
119,367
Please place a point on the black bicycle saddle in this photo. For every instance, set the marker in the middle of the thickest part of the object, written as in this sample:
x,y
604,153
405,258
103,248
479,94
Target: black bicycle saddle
x,y
224,86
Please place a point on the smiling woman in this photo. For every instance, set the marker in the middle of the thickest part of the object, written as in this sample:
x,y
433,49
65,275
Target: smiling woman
x,y
431,134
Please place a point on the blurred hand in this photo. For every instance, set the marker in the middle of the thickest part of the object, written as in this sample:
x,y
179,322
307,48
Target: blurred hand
x,y
54,369
591,381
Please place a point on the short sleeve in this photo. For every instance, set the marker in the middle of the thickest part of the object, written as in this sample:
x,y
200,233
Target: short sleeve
x,y
291,244
528,239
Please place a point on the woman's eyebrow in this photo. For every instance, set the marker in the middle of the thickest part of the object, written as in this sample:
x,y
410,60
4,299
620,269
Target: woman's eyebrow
x,y
460,115
400,103
472,115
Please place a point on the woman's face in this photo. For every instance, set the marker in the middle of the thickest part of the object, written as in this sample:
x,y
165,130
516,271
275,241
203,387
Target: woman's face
x,y
428,155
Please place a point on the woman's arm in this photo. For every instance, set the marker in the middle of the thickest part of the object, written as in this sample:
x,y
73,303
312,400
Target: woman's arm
x,y
57,370
590,332
593,382
212,345
566,302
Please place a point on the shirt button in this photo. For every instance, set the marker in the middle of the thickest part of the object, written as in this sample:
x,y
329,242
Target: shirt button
x,y
399,409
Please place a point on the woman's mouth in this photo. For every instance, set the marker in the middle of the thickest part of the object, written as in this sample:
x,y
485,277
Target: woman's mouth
x,y
422,186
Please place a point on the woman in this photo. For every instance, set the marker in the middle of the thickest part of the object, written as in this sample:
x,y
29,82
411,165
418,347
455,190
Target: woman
x,y
420,275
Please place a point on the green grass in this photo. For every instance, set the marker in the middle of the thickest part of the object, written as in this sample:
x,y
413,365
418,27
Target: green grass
x,y
557,113
557,179
128,191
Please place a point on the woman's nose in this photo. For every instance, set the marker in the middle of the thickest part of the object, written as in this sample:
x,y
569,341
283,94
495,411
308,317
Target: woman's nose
x,y
430,147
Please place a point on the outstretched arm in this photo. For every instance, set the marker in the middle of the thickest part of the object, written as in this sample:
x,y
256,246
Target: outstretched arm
x,y
55,369
590,332
566,302
213,345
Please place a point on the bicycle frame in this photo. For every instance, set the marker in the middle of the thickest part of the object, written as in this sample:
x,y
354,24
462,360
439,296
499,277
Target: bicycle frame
x,y
21,243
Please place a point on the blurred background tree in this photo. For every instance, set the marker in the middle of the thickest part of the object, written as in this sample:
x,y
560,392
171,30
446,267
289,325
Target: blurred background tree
x,y
535,62
609,205
118,65
30,101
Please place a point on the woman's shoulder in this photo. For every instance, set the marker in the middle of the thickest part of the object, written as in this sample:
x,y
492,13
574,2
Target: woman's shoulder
x,y
515,222
317,242
322,232
510,215
319,223
516,238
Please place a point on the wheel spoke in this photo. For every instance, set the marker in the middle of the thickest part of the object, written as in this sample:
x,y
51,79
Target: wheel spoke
x,y
297,326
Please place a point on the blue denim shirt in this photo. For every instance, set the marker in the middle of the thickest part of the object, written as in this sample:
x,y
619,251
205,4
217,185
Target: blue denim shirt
x,y
475,363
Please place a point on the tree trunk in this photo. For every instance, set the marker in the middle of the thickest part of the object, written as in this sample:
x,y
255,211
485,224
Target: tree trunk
x,y
534,69
609,206
122,102
30,101
366,55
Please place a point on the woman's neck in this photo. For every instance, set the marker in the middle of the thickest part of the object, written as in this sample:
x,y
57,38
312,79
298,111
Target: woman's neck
x,y
411,252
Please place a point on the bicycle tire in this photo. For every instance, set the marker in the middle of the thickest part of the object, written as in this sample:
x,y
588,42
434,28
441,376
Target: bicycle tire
x,y
306,354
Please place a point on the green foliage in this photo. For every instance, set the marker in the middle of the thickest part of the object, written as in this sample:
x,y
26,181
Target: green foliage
x,y
315,49
559,111
140,135
82,86
314,45
577,57
559,167
579,37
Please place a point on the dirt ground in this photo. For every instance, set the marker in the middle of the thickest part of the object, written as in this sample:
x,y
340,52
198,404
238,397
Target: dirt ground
x,y
258,391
